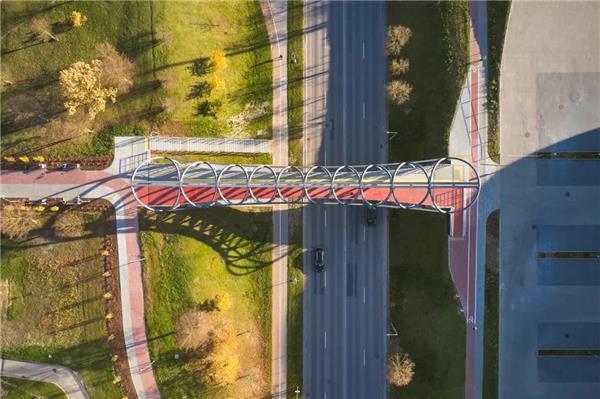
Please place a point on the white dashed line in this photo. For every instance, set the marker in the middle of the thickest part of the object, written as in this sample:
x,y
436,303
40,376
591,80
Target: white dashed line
x,y
364,358
364,50
364,111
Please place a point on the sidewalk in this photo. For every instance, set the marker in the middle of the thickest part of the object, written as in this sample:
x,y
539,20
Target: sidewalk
x,y
466,243
64,378
275,14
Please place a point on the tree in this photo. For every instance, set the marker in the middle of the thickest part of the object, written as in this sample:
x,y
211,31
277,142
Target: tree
x,y
399,66
78,19
216,84
81,85
117,69
17,221
401,369
398,91
218,60
42,30
397,37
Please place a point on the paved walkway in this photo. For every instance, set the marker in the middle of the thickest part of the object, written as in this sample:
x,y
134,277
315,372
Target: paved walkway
x,y
275,13
65,378
466,246
113,185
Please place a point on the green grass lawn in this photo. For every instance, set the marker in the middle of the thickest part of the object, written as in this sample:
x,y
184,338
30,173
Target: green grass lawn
x,y
423,307
165,39
438,54
295,302
16,388
491,321
55,312
497,15
190,259
191,32
295,81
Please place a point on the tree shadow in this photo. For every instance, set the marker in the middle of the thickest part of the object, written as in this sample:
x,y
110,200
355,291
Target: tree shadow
x,y
199,90
135,45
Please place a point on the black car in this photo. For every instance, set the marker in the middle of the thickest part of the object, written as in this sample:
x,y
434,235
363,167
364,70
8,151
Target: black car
x,y
319,259
371,215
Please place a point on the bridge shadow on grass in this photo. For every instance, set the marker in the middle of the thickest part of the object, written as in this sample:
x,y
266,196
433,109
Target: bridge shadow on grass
x,y
243,239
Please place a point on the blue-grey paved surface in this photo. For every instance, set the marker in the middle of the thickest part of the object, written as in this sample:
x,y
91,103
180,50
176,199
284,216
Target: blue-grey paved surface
x,y
561,335
586,142
568,271
568,172
569,369
568,238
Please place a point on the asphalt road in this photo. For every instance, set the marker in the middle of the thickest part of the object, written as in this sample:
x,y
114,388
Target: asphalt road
x,y
345,306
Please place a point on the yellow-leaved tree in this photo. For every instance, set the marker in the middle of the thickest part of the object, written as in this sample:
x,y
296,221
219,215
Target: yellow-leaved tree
x,y
81,85
401,369
78,19
218,60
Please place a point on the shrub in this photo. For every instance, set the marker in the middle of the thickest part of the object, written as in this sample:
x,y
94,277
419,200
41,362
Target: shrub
x,y
398,91
397,37
17,222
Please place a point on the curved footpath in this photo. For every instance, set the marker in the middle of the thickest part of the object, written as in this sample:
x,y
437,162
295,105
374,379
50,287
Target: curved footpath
x,y
64,378
111,184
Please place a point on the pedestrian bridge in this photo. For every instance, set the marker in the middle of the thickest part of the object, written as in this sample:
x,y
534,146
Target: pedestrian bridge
x,y
447,185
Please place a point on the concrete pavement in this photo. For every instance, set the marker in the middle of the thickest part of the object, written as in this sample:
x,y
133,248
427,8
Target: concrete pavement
x,y
63,377
275,13
345,306
549,102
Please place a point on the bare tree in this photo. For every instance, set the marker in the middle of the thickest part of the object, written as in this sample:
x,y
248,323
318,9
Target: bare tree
x,y
18,221
399,66
398,91
117,69
401,369
397,37
42,30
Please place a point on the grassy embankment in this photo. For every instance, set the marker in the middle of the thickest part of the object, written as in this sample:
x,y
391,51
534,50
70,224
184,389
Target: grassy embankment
x,y
295,130
491,325
423,307
16,388
54,312
191,259
497,16
167,41
295,81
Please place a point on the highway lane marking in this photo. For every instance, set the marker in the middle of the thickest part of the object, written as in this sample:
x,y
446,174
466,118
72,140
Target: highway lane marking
x,y
364,49
364,233
325,279
325,217
364,295
364,358
325,339
364,110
